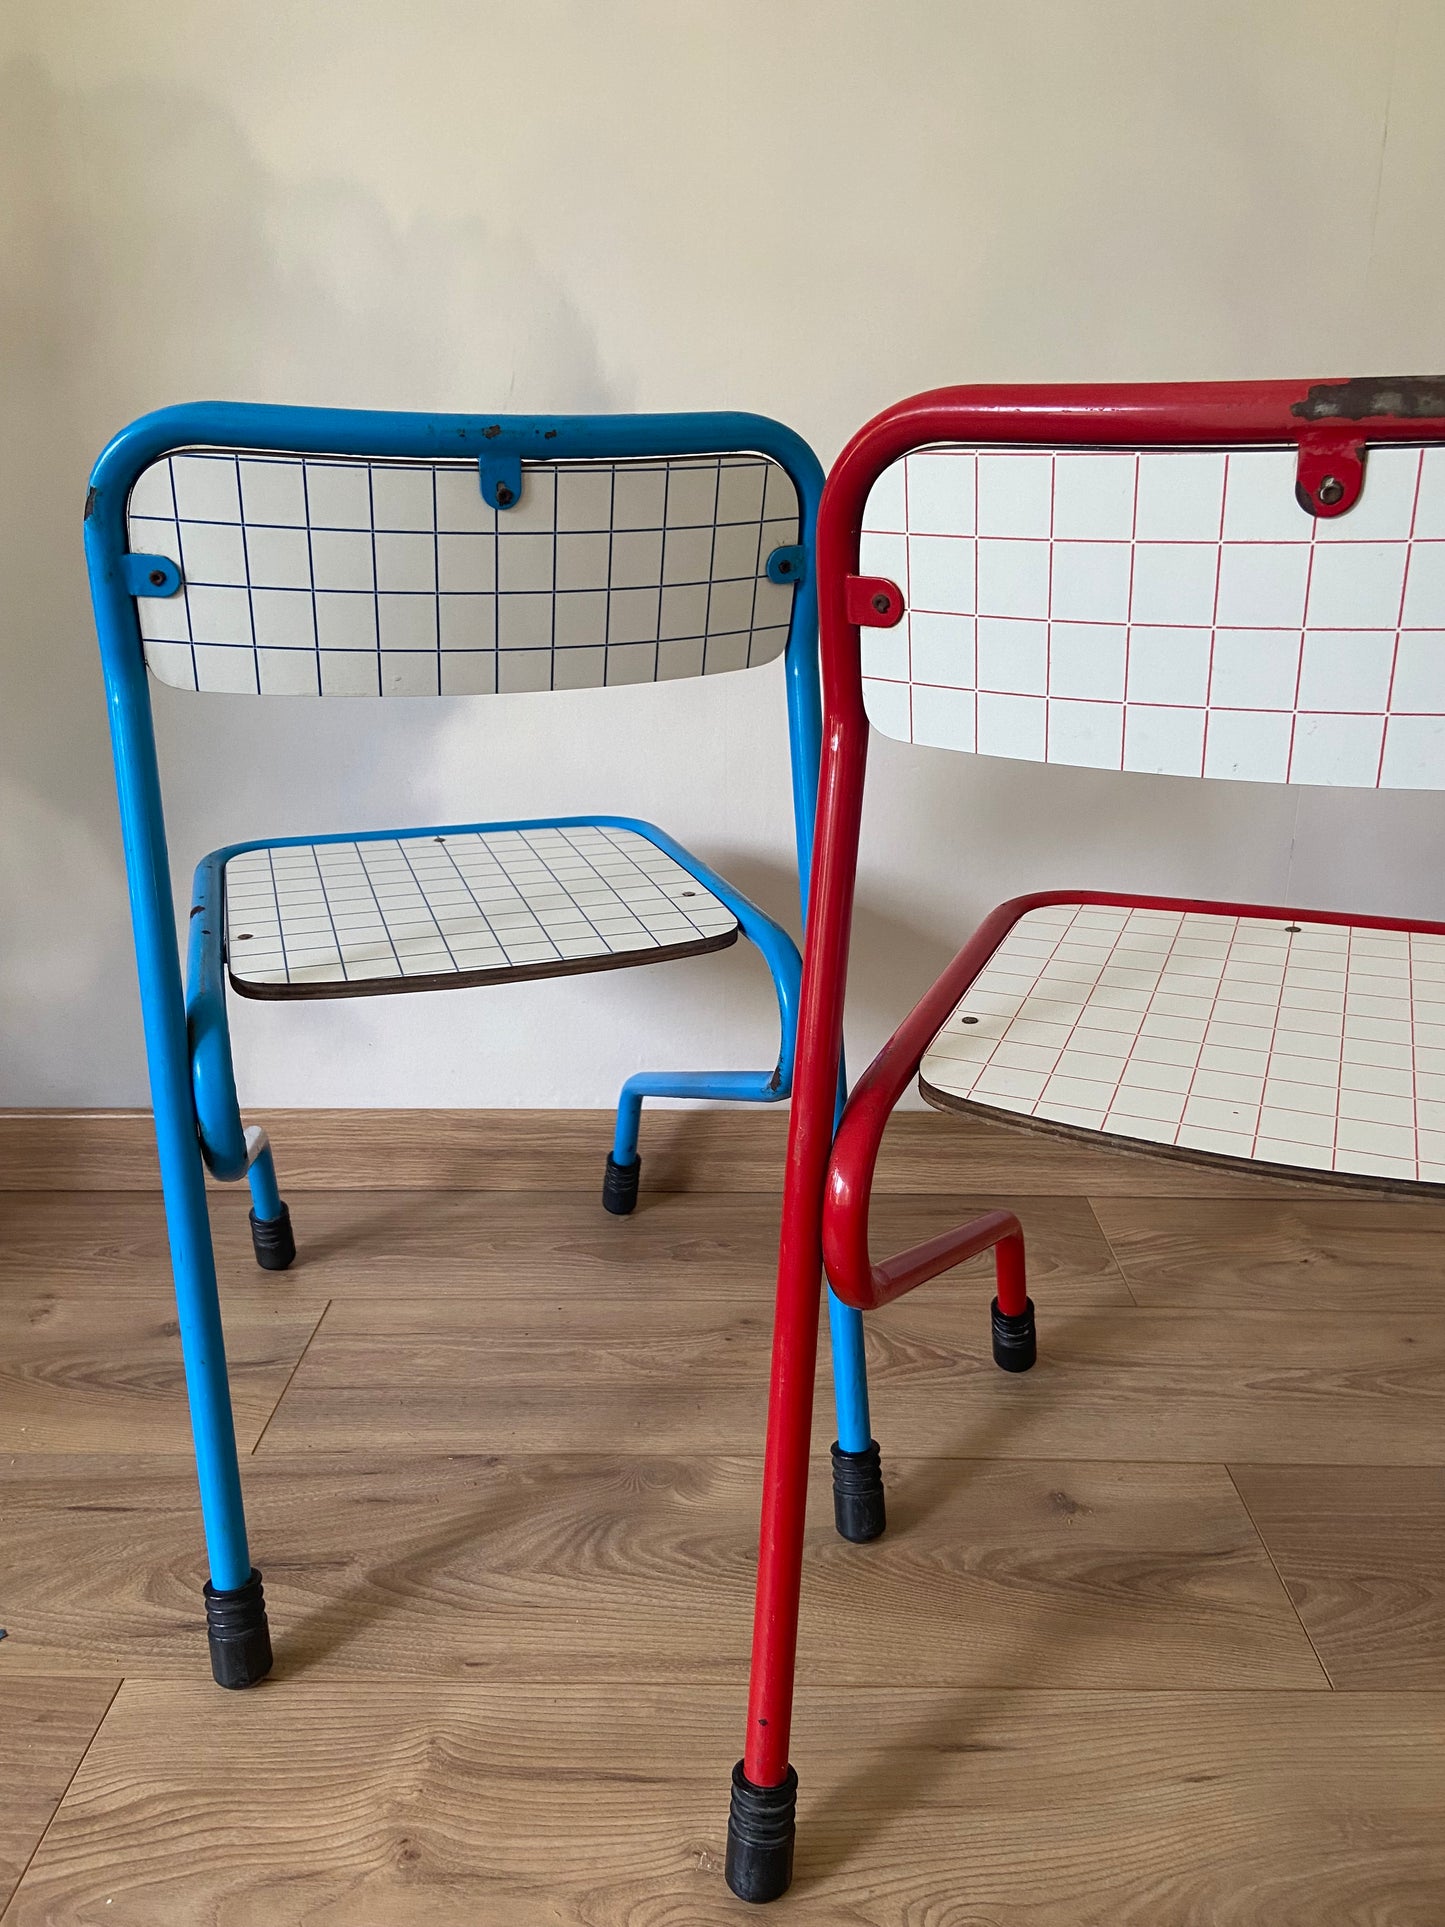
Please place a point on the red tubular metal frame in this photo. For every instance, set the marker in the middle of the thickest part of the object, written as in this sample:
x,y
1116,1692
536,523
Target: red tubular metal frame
x,y
1330,423
860,1132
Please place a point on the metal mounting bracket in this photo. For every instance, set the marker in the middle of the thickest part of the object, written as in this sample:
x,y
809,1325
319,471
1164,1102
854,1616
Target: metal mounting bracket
x,y
1330,472
788,565
872,601
500,475
150,575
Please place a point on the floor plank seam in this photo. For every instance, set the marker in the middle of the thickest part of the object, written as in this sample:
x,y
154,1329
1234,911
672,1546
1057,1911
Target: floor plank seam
x,y
65,1795
1109,1247
1274,1568
291,1375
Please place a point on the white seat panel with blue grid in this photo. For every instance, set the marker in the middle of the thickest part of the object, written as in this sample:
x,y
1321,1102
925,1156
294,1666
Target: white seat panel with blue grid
x,y
434,910
328,576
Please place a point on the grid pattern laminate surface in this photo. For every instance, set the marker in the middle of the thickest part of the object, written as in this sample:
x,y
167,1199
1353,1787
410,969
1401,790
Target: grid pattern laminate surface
x,y
1310,1044
1168,611
416,912
318,575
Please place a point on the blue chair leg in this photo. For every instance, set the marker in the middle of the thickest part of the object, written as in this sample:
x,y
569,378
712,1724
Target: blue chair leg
x,y
858,1505
236,1625
624,1166
272,1239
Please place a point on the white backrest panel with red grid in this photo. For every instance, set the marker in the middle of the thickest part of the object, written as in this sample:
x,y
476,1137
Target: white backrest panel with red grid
x,y
324,575
1165,610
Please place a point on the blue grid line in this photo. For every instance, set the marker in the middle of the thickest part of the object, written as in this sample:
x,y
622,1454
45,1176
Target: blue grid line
x,y
426,904
663,585
436,568
311,571
280,924
326,899
603,940
627,858
246,564
375,608
492,929
712,560
380,913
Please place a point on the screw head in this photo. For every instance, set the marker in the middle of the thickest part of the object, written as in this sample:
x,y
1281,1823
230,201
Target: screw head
x,y
1330,490
968,1020
504,496
785,568
882,603
157,578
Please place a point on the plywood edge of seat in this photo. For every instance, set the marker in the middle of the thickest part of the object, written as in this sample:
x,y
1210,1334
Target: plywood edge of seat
x,y
471,979
1307,1177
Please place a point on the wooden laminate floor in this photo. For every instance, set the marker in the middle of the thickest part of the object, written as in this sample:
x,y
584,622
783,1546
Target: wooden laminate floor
x,y
1156,1637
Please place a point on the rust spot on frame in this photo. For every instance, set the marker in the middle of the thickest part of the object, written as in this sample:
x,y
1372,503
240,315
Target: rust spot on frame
x,y
1407,398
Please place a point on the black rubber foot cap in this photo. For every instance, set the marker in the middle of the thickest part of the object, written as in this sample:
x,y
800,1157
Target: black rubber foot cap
x,y
239,1635
1015,1345
273,1241
619,1186
858,1508
761,1825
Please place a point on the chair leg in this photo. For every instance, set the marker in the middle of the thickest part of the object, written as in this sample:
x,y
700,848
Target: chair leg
x,y
272,1238
761,1818
859,1510
624,1167
236,1624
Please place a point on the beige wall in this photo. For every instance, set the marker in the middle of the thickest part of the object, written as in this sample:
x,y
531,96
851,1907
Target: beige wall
x,y
807,207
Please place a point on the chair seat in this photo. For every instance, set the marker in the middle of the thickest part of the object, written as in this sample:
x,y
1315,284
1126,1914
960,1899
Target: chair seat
x,y
1306,1045
431,910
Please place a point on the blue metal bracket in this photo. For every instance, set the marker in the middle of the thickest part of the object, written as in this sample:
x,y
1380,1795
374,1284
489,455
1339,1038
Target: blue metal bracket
x,y
788,565
150,575
500,475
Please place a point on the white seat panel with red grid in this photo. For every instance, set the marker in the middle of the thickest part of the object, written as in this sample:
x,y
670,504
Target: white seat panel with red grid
x,y
1313,1045
1165,610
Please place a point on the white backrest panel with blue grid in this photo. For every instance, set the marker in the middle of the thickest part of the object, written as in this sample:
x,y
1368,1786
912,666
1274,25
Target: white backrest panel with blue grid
x,y
323,575
1165,610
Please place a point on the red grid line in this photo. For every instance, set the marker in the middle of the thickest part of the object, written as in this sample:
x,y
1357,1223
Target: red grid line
x,y
1043,1107
1349,764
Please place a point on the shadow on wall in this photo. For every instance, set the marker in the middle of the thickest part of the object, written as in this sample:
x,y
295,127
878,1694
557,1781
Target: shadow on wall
x,y
148,256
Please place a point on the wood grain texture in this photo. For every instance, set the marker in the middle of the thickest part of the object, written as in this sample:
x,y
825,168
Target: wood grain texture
x,y
569,1569
740,1149
463,1243
552,1374
1311,1253
101,1372
441,1804
1363,1555
506,1509
45,1727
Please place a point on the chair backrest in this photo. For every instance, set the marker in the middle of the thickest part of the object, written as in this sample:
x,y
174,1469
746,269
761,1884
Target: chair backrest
x,y
321,552
1222,580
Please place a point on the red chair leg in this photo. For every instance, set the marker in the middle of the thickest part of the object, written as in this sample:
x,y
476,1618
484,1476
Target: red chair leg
x,y
765,1788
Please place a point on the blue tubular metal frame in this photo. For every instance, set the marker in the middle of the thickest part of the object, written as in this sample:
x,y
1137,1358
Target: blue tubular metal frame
x,y
223,1137
197,1116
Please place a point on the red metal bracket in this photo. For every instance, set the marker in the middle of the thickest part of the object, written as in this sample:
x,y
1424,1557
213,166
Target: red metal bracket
x,y
1331,471
872,601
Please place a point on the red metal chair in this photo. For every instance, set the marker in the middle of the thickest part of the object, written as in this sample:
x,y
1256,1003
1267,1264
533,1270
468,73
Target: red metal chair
x,y
1218,580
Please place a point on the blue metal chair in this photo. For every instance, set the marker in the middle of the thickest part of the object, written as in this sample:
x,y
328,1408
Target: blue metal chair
x,y
291,551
